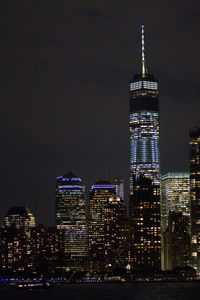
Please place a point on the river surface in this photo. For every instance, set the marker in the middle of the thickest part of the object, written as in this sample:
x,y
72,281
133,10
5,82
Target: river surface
x,y
108,291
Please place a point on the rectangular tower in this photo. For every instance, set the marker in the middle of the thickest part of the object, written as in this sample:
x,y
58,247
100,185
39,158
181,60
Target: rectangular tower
x,y
194,153
71,214
175,187
100,193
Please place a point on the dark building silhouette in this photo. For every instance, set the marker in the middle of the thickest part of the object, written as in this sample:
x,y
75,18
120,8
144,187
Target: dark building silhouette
x,y
99,196
47,248
144,124
117,234
176,240
194,153
144,210
19,217
39,252
15,251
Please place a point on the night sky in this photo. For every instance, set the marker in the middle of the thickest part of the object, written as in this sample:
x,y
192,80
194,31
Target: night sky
x,y
65,70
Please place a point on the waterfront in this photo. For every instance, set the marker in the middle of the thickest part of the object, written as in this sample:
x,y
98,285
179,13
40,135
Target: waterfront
x,y
108,291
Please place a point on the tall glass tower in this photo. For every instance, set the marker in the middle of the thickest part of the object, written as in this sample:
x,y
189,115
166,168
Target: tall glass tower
x,y
71,214
144,124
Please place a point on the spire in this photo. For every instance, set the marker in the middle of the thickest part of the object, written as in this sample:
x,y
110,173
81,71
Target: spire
x,y
143,54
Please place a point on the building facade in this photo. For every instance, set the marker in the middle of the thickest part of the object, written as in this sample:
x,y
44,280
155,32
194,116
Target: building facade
x,y
194,153
144,210
99,196
19,217
119,186
71,214
144,201
175,195
177,247
144,124
117,234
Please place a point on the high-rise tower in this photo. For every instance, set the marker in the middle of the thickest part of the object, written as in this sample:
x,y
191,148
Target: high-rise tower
x,y
194,153
175,187
71,214
144,124
100,194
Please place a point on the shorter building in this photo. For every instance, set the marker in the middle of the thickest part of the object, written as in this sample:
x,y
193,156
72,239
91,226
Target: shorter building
x,y
38,253
117,234
175,196
15,251
119,186
100,193
144,209
176,238
19,217
47,248
71,214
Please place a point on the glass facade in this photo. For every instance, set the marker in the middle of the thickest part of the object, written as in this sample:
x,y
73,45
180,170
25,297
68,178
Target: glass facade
x,y
144,128
144,201
71,214
175,187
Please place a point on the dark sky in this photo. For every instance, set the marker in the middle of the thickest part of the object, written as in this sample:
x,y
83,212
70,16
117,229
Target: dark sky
x,y
64,91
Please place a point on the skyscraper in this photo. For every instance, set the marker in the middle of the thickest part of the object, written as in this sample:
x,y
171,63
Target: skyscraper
x,y
71,214
144,205
117,239
175,187
194,153
100,194
144,124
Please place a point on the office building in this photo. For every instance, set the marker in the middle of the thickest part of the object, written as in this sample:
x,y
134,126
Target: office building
x,y
144,124
99,196
194,155
144,210
117,234
175,195
71,214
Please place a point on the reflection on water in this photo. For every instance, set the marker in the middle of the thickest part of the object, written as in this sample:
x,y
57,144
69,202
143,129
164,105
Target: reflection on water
x,y
108,291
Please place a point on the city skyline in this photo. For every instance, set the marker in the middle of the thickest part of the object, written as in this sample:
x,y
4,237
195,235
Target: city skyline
x,y
65,102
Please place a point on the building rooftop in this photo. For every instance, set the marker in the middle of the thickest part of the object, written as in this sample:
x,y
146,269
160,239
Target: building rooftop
x,y
19,210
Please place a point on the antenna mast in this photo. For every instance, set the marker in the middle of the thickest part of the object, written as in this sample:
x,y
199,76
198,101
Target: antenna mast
x,y
143,54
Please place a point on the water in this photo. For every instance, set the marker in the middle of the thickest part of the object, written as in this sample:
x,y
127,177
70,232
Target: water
x,y
108,291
